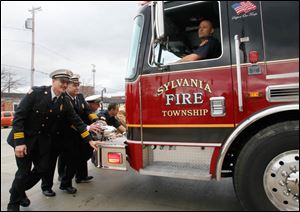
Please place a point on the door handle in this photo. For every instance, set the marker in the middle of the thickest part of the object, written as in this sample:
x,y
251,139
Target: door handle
x,y
238,72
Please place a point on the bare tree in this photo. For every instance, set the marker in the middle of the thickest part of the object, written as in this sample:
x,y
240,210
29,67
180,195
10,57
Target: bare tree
x,y
8,81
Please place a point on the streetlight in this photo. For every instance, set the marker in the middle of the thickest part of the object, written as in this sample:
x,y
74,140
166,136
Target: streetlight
x,y
94,71
30,24
103,90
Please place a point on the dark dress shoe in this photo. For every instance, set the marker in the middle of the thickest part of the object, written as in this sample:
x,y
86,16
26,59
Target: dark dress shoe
x,y
13,207
68,189
49,193
25,202
84,180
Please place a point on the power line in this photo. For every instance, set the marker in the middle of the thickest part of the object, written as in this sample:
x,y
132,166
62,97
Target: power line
x,y
45,47
54,52
18,41
23,68
15,28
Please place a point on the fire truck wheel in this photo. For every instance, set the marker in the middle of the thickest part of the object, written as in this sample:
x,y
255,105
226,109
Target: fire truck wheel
x,y
266,175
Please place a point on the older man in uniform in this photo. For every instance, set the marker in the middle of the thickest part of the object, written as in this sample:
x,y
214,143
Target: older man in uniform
x,y
75,157
37,126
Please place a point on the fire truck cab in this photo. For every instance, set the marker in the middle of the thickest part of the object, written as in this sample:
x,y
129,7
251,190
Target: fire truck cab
x,y
233,115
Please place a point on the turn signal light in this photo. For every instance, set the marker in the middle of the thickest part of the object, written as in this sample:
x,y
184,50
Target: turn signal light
x,y
114,157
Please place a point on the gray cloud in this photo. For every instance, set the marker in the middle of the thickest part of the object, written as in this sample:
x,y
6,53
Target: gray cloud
x,y
70,35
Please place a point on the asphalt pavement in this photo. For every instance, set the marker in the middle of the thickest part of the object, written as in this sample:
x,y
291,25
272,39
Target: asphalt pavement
x,y
122,191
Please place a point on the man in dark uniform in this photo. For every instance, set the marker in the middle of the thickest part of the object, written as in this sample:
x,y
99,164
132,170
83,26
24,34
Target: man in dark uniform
x,y
109,116
209,46
37,127
75,158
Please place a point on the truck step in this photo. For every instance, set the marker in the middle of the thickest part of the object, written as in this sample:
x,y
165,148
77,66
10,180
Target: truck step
x,y
177,170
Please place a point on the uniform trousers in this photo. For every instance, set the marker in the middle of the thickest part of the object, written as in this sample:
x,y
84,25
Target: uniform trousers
x,y
55,151
69,157
38,154
74,157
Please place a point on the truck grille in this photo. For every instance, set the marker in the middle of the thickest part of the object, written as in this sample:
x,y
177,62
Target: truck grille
x,y
283,93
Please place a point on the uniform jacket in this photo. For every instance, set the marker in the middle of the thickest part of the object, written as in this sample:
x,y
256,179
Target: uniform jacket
x,y
38,115
82,109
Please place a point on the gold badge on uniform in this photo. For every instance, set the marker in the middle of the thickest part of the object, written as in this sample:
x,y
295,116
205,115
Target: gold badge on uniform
x,y
50,111
45,92
61,107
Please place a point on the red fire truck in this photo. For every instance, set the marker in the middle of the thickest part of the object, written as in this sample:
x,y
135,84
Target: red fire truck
x,y
235,115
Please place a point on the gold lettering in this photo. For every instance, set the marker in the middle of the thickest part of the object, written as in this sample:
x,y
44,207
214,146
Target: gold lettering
x,y
176,112
207,88
160,91
196,113
173,84
179,81
167,86
171,113
190,113
200,84
194,83
185,83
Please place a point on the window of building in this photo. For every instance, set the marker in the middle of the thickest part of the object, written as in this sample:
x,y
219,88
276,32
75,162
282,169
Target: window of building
x,y
281,30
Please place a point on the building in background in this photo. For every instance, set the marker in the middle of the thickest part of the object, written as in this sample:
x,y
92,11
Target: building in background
x,y
10,101
86,90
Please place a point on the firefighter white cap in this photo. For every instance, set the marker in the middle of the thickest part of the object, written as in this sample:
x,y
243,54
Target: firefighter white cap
x,y
93,98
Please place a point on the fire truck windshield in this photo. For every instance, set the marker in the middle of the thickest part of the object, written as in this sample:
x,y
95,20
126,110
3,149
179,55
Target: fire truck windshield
x,y
135,45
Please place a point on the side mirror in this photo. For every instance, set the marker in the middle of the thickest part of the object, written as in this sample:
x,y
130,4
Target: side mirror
x,y
157,26
159,20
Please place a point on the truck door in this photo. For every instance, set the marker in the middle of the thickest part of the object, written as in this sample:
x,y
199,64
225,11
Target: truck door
x,y
188,103
248,67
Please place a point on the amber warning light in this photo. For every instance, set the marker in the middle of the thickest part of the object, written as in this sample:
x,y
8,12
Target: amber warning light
x,y
114,157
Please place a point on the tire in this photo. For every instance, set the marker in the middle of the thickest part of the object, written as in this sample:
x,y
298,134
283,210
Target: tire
x,y
256,181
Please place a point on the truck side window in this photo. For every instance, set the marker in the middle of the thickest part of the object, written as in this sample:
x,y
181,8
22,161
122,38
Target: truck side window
x,y
182,33
282,30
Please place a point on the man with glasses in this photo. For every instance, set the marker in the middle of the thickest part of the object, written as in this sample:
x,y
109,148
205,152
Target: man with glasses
x,y
37,130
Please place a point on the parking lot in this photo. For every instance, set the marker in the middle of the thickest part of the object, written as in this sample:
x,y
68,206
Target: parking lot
x,y
117,190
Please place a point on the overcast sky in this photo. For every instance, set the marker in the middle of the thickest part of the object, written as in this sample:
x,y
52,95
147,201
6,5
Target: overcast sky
x,y
70,35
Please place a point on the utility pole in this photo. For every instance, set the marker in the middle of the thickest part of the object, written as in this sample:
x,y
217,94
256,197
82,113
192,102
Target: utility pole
x,y
102,91
94,71
32,46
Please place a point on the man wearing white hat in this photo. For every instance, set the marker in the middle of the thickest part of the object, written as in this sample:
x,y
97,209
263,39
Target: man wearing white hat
x,y
37,128
74,157
94,102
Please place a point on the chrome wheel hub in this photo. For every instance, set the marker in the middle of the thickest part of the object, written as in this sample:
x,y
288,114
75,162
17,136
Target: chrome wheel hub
x,y
281,181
